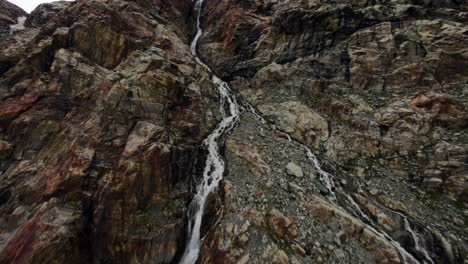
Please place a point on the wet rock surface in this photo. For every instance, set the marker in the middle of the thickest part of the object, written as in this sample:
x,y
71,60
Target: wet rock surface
x,y
103,111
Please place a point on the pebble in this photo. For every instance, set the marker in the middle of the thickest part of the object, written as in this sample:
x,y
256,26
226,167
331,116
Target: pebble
x,y
340,236
243,239
244,259
458,221
404,153
374,192
452,236
339,253
323,190
294,170
301,251
296,188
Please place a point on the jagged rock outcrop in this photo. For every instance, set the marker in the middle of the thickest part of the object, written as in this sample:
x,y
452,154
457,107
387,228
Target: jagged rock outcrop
x,y
44,12
9,16
102,110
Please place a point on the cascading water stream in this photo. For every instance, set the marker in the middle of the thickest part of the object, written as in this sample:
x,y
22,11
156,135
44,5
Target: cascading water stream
x,y
214,169
327,180
353,208
214,166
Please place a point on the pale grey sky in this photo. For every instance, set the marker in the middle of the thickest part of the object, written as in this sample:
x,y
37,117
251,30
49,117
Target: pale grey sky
x,y
29,5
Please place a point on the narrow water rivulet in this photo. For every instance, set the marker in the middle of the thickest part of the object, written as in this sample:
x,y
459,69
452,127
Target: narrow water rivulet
x,y
214,169
350,206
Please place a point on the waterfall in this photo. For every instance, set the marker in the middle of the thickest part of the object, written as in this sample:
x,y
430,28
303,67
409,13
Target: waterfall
x,y
214,169
214,166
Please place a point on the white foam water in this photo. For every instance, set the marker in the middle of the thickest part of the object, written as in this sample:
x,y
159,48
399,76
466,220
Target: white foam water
x,y
214,169
214,166
18,26
417,242
327,180
324,177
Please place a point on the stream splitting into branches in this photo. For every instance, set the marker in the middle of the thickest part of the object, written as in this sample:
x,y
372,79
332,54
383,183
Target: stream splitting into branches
x,y
230,108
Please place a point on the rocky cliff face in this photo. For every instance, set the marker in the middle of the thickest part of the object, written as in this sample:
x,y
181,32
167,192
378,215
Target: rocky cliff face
x,y
379,88
103,110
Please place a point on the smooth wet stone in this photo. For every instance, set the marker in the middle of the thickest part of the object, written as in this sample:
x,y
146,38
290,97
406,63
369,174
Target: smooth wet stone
x,y
322,188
